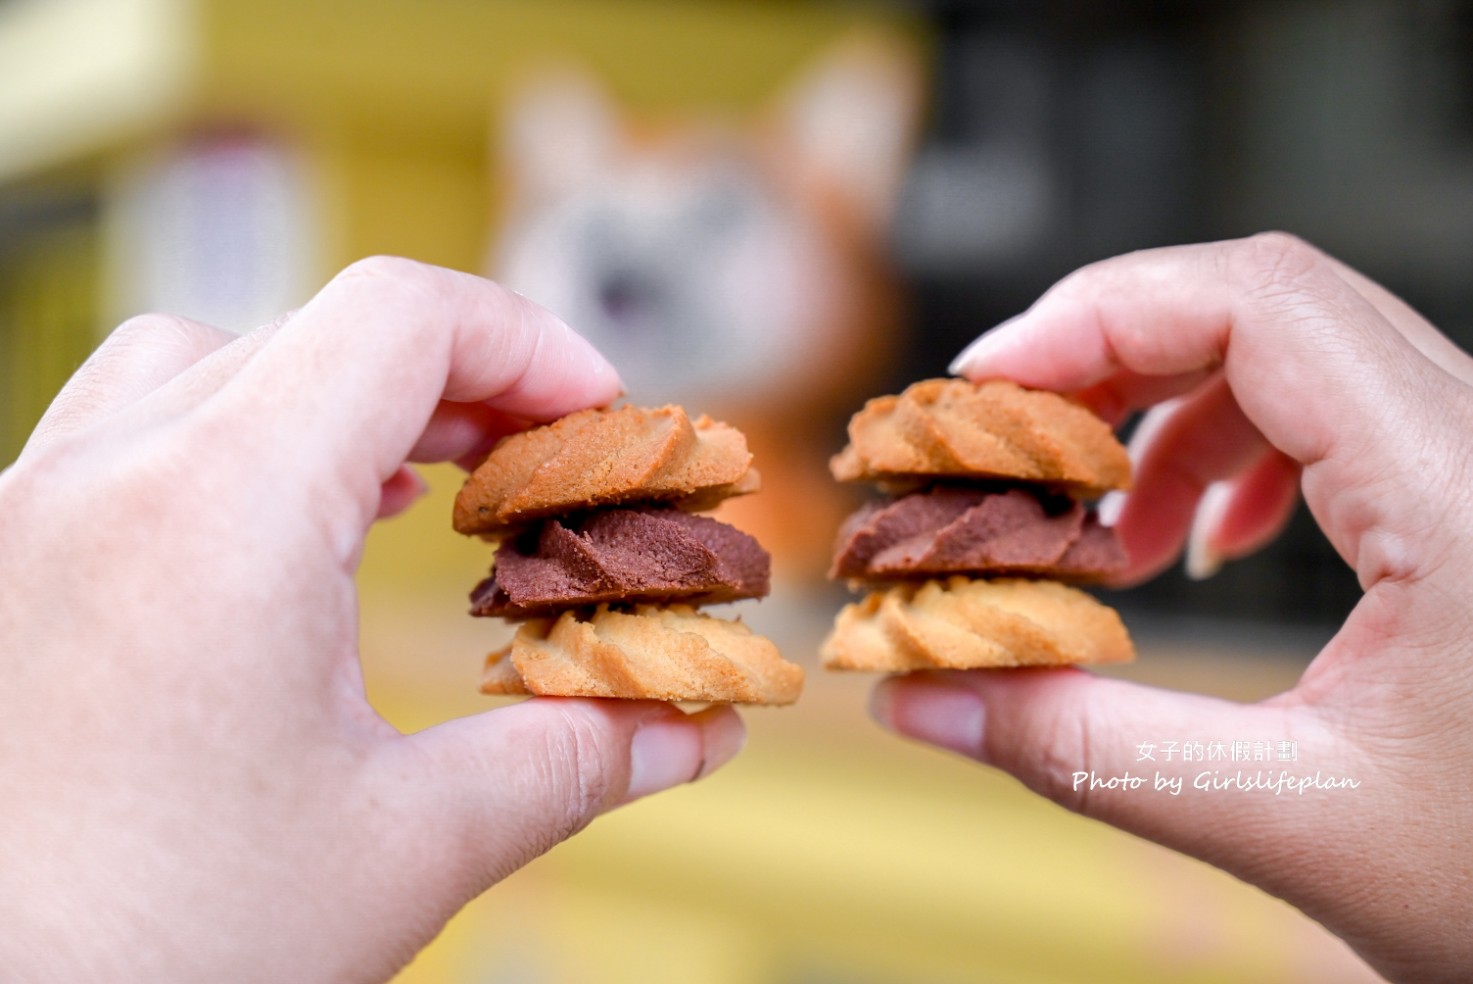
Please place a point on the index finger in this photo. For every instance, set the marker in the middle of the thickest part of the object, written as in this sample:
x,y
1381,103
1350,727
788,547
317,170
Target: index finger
x,y
1312,364
1302,349
346,388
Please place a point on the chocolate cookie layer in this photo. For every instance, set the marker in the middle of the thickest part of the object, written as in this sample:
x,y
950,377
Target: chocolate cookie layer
x,y
951,529
624,556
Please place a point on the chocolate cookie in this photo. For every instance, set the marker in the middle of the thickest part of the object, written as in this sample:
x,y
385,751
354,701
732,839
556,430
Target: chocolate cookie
x,y
602,559
987,514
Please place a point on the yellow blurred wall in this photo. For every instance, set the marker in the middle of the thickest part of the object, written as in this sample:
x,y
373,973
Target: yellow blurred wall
x,y
390,104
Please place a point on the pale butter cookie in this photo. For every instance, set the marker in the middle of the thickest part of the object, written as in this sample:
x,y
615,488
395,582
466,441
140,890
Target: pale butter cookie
x,y
962,623
661,653
596,458
996,429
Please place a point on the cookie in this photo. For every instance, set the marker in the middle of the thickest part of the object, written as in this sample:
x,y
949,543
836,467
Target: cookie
x,y
622,555
661,653
986,482
967,623
596,458
602,562
960,529
993,430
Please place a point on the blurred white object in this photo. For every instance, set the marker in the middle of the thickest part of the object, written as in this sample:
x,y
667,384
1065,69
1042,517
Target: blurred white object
x,y
221,228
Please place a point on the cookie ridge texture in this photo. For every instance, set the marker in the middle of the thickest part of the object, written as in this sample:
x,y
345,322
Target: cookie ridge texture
x,y
595,458
672,653
995,429
966,623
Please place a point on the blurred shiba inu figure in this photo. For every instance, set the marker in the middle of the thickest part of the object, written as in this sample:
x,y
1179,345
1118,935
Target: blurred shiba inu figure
x,y
735,266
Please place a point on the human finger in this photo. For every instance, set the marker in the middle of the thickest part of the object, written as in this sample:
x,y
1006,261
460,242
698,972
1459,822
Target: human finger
x,y
1270,311
1137,389
510,783
189,389
136,358
464,432
1239,515
1423,335
347,387
1117,398
1180,449
1275,793
400,492
1313,365
1194,773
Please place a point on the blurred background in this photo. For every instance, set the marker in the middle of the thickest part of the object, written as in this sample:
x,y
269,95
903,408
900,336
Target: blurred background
x,y
768,211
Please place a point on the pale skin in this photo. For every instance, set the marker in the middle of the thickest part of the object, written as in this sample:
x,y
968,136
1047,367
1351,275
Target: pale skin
x,y
1272,370
194,786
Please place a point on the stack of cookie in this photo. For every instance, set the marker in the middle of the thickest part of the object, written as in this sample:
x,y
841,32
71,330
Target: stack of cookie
x,y
985,520
603,559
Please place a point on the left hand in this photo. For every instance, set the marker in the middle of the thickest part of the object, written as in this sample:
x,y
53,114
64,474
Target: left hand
x,y
195,787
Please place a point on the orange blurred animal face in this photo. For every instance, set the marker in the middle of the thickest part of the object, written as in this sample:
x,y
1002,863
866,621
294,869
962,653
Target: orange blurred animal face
x,y
716,262
696,271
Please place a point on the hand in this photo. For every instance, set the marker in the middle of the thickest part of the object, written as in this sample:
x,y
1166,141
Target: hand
x,y
1267,361
194,785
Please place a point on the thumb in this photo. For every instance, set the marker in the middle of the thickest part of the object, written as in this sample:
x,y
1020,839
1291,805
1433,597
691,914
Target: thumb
x,y
1200,775
509,784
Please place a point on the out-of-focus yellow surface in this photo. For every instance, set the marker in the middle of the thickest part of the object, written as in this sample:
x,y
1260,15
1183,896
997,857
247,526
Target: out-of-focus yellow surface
x,y
87,77
51,287
827,851
391,108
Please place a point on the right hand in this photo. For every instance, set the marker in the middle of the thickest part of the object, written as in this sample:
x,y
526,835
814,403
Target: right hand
x,y
1270,365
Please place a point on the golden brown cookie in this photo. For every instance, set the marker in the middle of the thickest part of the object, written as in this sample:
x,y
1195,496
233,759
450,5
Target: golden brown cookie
x,y
964,623
598,458
959,429
662,653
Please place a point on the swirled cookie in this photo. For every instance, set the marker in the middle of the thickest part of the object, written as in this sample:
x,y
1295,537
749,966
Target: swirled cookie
x,y
986,480
663,653
596,458
996,429
965,623
600,559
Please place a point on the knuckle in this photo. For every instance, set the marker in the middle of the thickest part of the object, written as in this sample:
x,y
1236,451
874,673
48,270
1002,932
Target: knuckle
x,y
1064,752
1047,746
392,286
158,329
389,271
578,763
150,325
1274,260
159,335
549,774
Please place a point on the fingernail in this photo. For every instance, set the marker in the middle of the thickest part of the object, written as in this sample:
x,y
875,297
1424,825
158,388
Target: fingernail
x,y
614,382
929,710
1108,509
725,735
1203,558
986,345
670,752
603,374
421,486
